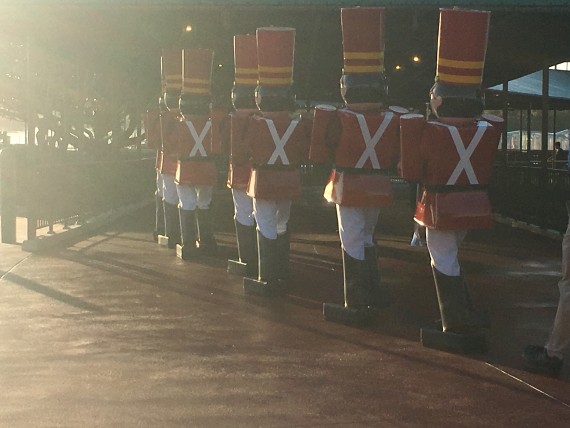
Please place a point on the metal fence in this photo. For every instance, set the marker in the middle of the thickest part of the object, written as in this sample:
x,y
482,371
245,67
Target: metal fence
x,y
54,187
536,195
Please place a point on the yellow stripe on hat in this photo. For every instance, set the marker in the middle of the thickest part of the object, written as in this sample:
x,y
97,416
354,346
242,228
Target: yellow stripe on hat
x,y
456,78
472,65
196,91
246,82
275,80
281,70
197,81
363,55
363,68
246,70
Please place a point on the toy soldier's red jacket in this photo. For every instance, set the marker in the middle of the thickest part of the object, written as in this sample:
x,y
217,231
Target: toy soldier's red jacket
x,y
199,140
453,159
279,144
240,150
151,120
361,146
169,121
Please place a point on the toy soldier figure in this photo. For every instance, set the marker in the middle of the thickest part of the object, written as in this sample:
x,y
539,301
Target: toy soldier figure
x,y
198,141
452,155
172,84
243,100
279,143
151,121
361,140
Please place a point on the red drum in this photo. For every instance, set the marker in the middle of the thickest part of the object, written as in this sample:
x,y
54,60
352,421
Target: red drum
x,y
359,190
266,183
196,173
455,210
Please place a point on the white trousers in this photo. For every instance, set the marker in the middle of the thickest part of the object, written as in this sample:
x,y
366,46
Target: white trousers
x,y
169,193
192,197
271,216
356,228
243,207
443,246
560,336
159,184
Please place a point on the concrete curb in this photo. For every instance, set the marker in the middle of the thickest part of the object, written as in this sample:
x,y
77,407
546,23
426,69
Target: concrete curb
x,y
548,233
78,232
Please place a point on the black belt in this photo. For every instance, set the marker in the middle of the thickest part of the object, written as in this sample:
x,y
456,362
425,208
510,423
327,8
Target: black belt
x,y
443,188
361,171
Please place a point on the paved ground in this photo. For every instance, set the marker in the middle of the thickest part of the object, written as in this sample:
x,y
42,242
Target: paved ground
x,y
116,332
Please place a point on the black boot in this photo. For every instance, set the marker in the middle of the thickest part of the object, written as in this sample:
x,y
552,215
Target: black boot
x,y
283,250
358,306
455,306
460,325
246,265
380,297
159,218
267,282
188,249
207,245
171,226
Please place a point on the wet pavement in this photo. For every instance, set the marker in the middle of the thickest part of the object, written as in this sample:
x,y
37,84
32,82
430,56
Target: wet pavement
x,y
115,331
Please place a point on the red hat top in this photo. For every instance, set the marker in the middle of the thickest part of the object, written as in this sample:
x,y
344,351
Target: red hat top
x,y
462,45
197,71
245,60
275,53
363,39
171,66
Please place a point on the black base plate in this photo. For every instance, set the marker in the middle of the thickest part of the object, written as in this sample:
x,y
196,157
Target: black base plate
x,y
235,267
360,317
466,343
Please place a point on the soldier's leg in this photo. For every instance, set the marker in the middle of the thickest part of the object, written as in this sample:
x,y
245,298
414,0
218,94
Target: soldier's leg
x,y
159,207
246,265
283,239
171,215
188,204
357,308
460,322
265,212
380,297
206,240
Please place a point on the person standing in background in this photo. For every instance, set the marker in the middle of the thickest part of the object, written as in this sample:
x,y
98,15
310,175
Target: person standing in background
x,y
549,358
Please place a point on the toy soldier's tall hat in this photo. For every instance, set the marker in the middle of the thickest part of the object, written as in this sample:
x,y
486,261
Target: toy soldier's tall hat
x,y
171,79
462,45
245,61
363,78
275,54
196,81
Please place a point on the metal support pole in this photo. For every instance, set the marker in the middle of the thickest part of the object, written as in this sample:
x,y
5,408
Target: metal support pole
x,y
506,119
545,108
7,195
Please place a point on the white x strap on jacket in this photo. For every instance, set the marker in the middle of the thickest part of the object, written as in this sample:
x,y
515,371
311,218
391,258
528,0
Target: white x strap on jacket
x,y
198,139
371,141
280,142
465,153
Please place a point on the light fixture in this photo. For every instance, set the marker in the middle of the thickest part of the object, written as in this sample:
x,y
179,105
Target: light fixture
x,y
398,67
416,58
188,28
